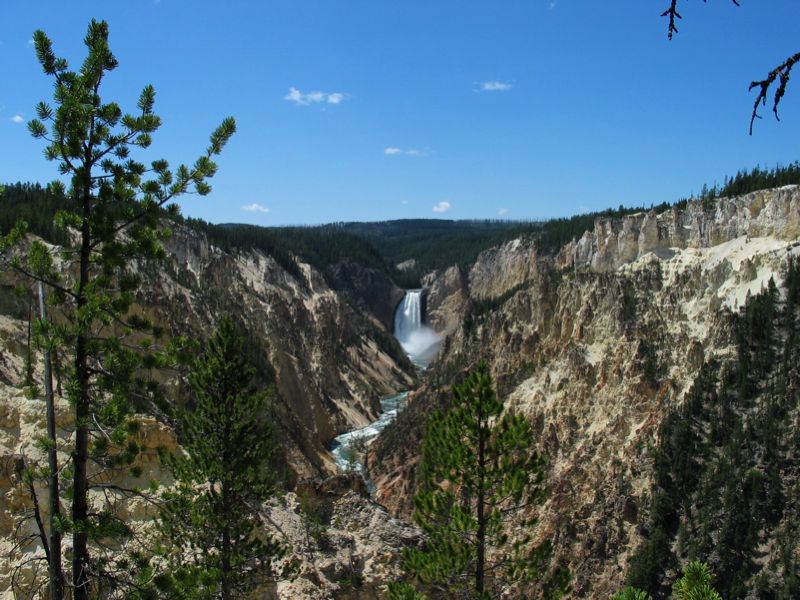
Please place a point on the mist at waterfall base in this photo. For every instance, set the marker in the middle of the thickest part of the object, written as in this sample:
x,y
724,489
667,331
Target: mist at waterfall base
x,y
420,342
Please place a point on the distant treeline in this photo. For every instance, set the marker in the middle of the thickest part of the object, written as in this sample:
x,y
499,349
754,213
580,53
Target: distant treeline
x,y
34,204
753,180
437,243
318,246
432,243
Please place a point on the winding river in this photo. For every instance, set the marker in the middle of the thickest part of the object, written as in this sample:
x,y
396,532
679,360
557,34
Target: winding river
x,y
421,344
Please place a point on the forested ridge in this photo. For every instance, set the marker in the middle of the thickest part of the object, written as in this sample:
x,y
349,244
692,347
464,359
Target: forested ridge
x,y
727,466
431,243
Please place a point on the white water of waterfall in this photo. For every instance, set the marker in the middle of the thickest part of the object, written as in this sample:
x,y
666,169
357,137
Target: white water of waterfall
x,y
420,342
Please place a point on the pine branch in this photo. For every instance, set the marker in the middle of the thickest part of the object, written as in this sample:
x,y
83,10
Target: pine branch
x,y
673,15
8,263
781,73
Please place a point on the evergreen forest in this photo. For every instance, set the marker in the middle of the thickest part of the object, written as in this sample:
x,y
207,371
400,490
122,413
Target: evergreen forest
x,y
430,244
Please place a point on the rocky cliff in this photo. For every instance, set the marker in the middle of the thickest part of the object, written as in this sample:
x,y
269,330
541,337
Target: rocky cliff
x,y
446,296
333,358
767,213
596,346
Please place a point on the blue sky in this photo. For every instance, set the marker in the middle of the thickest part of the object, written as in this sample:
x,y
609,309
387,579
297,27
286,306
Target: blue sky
x,y
381,109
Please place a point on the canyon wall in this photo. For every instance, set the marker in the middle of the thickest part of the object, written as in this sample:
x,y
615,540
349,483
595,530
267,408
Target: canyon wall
x,y
333,358
595,346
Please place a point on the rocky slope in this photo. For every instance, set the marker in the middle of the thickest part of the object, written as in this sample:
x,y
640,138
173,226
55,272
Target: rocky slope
x,y
446,295
343,544
596,345
332,354
769,213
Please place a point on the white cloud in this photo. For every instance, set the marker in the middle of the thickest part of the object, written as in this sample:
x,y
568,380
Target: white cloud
x,y
494,86
255,208
394,151
17,119
301,99
502,211
295,96
442,207
335,98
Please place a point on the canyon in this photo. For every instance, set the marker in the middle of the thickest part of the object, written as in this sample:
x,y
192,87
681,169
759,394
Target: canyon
x,y
567,337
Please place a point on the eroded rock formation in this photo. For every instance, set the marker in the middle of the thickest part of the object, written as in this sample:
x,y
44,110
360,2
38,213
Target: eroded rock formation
x,y
332,353
568,349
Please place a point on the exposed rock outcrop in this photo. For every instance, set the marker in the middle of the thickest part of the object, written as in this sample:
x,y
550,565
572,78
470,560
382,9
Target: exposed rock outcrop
x,y
355,556
614,242
568,349
333,360
445,299
501,268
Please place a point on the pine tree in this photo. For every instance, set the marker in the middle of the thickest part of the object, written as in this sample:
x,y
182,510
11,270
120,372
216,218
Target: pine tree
x,y
211,521
694,584
112,217
478,471
631,593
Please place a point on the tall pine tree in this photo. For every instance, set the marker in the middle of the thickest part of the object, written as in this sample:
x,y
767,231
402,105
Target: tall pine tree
x,y
695,584
112,219
212,521
478,470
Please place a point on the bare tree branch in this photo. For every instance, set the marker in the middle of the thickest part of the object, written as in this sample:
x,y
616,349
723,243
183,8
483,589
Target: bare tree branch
x,y
25,477
781,73
673,15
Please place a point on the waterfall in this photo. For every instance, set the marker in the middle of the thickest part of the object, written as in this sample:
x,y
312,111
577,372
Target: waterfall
x,y
408,317
418,340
